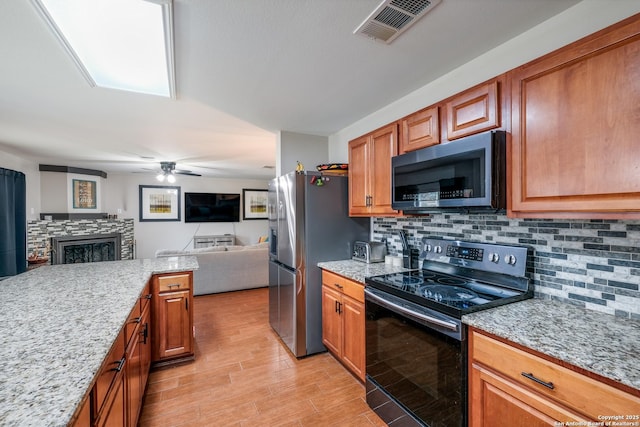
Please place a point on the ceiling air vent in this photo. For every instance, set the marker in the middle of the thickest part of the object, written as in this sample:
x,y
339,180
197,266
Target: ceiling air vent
x,y
393,17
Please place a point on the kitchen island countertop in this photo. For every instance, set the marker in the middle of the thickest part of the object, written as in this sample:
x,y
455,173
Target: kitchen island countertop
x,y
57,325
604,344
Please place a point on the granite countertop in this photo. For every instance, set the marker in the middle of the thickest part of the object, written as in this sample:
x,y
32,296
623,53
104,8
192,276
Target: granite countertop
x,y
57,324
606,345
358,271
600,343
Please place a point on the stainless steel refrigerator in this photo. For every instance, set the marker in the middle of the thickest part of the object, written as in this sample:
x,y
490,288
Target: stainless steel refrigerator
x,y
308,223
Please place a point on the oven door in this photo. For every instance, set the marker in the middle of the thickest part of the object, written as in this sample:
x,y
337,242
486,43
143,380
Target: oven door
x,y
415,368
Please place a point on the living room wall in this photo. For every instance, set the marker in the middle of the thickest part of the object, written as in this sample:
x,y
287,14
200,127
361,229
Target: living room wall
x,y
121,198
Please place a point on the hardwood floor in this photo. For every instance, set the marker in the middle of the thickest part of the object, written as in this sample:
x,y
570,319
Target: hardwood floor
x,y
244,376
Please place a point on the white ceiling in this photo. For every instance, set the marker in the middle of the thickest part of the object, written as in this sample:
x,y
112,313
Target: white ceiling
x,y
245,70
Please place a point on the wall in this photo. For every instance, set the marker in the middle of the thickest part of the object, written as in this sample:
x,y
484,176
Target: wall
x,y
122,198
32,177
292,147
585,18
593,264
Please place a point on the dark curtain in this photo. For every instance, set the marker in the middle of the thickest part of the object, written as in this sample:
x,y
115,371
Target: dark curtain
x,y
13,223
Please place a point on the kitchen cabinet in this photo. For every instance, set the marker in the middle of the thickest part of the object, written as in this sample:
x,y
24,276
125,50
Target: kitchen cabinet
x,y
119,389
83,416
172,317
511,386
370,172
138,358
343,321
419,130
114,411
575,127
474,110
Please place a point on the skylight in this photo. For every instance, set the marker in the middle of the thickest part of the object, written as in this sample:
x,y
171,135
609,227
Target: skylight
x,y
117,44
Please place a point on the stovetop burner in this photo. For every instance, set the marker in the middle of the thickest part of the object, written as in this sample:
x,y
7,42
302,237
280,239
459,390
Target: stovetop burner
x,y
461,279
447,293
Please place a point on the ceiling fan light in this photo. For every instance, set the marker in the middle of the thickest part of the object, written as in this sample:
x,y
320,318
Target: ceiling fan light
x,y
160,177
171,179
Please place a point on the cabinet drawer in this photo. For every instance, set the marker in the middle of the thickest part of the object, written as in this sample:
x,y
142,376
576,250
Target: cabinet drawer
x,y
110,368
145,297
586,395
348,287
174,282
132,323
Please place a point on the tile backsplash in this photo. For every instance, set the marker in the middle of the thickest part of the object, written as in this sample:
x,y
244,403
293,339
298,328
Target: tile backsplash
x,y
594,264
39,232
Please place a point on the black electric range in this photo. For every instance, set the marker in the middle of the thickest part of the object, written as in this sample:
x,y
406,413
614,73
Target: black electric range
x,y
458,277
416,358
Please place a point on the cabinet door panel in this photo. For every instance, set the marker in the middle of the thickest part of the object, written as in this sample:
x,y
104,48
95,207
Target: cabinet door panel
x,y
353,353
114,414
145,349
420,130
331,321
173,321
358,179
576,126
384,145
473,111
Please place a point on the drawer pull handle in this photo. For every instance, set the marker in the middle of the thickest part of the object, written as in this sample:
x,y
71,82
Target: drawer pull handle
x,y
538,380
337,285
120,365
173,285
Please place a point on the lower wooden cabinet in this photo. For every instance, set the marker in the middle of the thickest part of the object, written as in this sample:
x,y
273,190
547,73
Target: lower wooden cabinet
x,y
172,318
512,387
138,366
114,413
343,321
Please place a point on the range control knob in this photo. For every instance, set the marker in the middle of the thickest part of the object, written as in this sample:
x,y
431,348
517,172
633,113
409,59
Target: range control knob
x,y
494,257
438,249
510,259
427,248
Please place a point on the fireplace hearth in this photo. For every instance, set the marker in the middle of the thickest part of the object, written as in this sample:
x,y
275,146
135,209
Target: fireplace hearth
x,y
88,248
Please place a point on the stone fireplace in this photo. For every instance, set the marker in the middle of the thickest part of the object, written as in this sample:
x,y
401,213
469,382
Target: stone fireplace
x,y
91,248
78,238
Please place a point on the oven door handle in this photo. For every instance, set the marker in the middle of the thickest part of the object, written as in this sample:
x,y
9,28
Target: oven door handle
x,y
429,319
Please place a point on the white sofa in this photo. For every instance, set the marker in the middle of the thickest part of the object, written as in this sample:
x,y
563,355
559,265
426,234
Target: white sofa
x,y
227,268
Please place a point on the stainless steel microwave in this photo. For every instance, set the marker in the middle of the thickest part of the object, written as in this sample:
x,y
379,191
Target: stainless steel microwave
x,y
466,173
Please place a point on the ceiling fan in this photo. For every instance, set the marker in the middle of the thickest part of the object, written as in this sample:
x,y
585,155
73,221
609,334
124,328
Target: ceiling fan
x,y
168,172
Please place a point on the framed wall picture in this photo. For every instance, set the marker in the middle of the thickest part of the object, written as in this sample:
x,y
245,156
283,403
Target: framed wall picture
x,y
254,204
159,203
85,194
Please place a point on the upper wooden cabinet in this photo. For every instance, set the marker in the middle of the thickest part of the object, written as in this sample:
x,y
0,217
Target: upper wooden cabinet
x,y
474,110
576,121
370,172
420,130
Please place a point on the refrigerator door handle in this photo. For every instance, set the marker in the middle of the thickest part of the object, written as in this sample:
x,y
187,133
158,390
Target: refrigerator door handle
x,y
299,280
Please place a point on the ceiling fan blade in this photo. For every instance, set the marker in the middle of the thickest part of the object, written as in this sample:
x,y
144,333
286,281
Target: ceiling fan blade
x,y
187,173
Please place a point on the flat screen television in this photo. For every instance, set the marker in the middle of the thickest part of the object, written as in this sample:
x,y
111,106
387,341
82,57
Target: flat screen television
x,y
211,207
